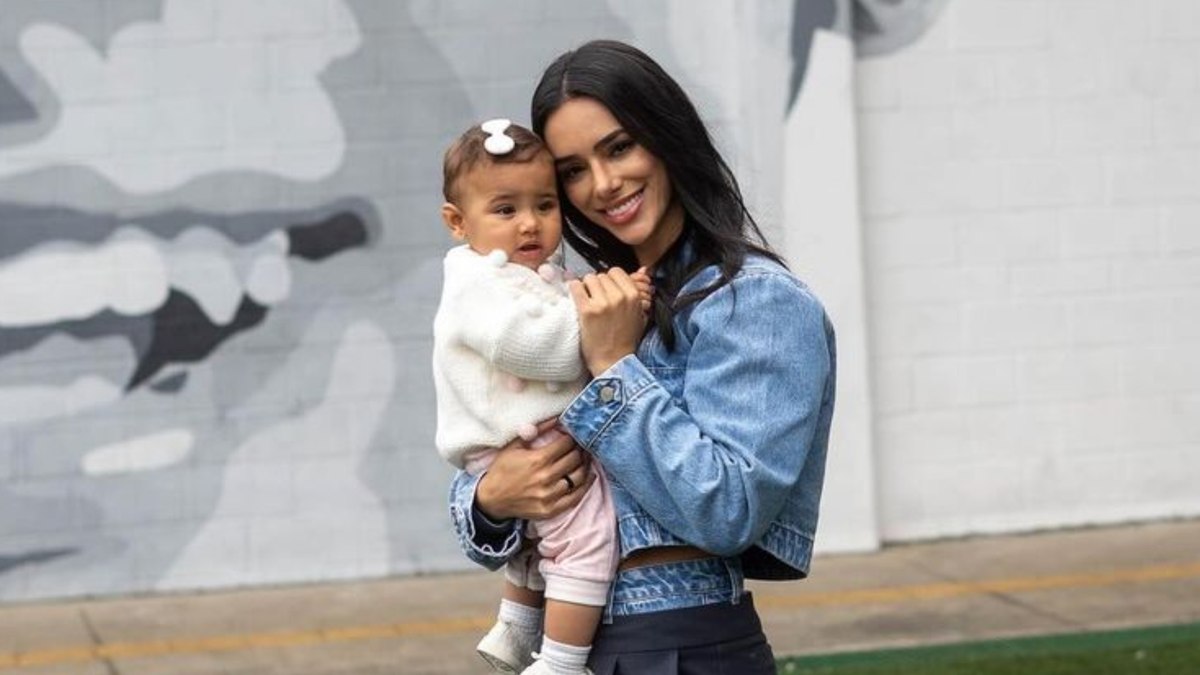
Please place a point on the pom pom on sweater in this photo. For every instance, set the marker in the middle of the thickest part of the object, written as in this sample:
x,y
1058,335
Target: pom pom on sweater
x,y
497,258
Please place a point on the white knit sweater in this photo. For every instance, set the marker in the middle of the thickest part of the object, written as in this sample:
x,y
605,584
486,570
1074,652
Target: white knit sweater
x,y
505,352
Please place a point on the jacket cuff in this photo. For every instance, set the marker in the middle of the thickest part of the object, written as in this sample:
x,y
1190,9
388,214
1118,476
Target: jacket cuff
x,y
491,532
603,399
486,542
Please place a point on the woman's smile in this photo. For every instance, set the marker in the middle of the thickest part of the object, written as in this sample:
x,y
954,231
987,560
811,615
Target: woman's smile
x,y
626,210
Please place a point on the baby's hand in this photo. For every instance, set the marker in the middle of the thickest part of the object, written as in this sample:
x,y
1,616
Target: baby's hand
x,y
641,279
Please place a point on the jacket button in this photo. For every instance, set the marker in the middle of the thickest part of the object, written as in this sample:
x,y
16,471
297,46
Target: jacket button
x,y
607,394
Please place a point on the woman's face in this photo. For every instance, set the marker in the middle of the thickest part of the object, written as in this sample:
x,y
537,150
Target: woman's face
x,y
612,179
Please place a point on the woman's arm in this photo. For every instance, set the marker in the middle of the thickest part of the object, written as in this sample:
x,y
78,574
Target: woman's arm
x,y
484,541
526,480
758,371
523,482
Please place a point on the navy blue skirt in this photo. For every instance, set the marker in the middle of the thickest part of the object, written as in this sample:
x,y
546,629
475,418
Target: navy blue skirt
x,y
717,639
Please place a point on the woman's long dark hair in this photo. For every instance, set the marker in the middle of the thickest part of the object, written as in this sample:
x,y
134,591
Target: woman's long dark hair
x,y
656,112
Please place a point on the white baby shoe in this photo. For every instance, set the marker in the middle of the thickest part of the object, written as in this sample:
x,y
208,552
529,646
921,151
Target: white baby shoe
x,y
506,649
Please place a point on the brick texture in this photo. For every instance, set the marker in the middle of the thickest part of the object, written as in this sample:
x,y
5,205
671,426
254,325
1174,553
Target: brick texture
x,y
1031,176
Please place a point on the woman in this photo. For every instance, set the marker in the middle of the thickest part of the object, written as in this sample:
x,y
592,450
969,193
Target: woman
x,y
711,419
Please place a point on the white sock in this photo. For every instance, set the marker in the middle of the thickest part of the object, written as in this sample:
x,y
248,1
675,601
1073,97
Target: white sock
x,y
564,659
524,619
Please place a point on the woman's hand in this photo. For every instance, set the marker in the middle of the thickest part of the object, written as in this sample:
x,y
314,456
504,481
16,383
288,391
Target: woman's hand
x,y
526,479
611,318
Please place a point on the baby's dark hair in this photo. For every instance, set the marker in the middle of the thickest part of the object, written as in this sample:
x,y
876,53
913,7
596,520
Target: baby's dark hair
x,y
467,152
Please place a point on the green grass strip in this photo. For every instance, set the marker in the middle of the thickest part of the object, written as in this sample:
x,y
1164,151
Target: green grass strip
x,y
1160,650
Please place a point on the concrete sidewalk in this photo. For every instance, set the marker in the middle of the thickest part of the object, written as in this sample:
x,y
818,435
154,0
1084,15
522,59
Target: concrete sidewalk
x,y
905,595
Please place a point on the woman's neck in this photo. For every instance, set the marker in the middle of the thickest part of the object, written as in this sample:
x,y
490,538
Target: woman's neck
x,y
666,233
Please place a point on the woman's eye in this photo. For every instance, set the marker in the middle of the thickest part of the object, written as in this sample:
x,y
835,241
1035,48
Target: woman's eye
x,y
622,146
569,173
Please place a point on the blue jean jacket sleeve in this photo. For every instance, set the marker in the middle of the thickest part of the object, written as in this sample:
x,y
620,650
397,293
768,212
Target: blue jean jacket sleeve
x,y
715,460
485,542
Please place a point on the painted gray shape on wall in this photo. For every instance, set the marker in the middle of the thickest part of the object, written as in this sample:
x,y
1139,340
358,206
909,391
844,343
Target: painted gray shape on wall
x,y
96,21
106,522
134,330
13,106
171,383
8,562
29,226
313,236
877,26
887,26
110,358
807,17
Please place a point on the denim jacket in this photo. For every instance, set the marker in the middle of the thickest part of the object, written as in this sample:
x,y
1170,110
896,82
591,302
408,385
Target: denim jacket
x,y
719,443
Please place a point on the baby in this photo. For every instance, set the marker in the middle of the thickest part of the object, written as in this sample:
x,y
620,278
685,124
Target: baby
x,y
506,356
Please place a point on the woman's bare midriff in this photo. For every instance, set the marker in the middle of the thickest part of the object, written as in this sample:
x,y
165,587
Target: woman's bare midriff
x,y
660,555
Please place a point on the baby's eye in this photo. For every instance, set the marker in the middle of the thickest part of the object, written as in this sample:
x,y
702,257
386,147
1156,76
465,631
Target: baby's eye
x,y
548,205
504,210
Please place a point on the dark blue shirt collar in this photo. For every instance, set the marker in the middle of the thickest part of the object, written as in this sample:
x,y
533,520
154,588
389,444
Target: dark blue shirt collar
x,y
683,251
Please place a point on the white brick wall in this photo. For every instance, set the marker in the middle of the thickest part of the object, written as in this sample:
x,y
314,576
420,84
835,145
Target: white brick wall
x,y
1031,202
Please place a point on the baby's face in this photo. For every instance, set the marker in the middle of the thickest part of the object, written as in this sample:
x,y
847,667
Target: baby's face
x,y
511,207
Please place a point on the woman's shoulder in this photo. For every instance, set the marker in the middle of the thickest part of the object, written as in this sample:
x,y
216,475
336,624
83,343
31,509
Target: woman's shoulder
x,y
759,265
758,273
763,297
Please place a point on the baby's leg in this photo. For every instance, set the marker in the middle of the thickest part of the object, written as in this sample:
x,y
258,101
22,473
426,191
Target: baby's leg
x,y
571,623
523,581
523,596
579,558
570,628
508,647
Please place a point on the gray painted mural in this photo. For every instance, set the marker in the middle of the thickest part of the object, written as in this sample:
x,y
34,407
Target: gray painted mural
x,y
219,259
219,255
886,26
877,27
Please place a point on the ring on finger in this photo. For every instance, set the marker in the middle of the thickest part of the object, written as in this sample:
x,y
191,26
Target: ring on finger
x,y
570,483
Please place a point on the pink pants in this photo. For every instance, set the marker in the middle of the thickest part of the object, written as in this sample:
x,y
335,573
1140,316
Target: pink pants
x,y
576,556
